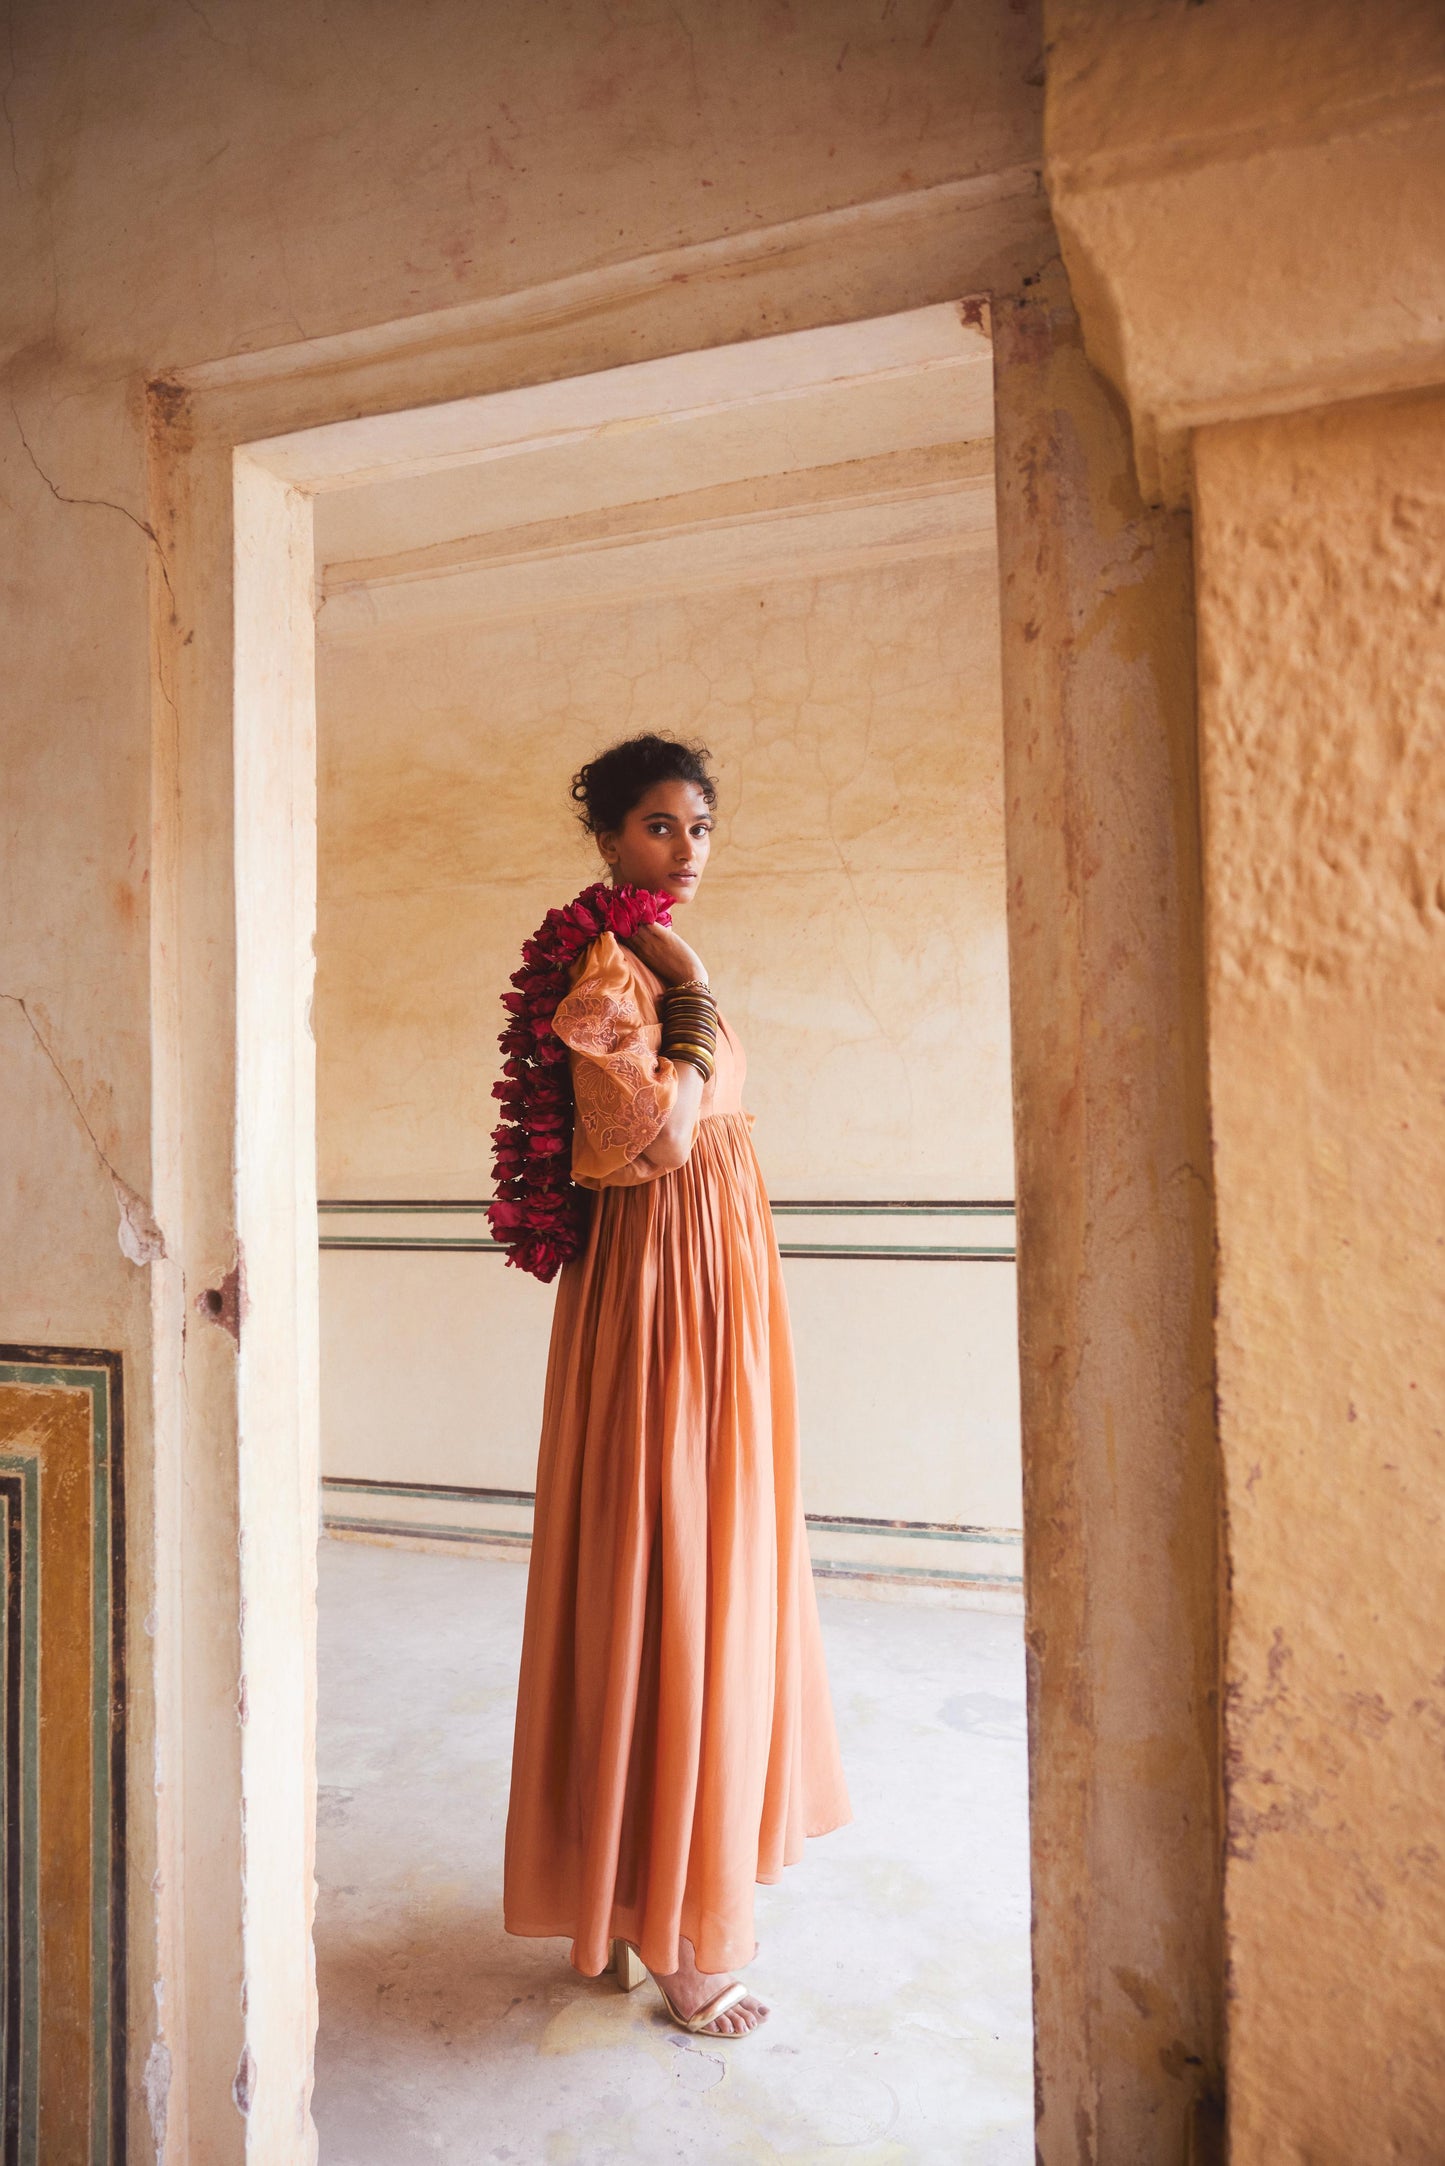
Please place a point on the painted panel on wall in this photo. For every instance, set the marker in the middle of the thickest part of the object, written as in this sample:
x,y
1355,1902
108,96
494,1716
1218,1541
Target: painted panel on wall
x,y
62,1695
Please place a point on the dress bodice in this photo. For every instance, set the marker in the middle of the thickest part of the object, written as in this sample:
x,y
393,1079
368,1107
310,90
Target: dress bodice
x,y
624,1086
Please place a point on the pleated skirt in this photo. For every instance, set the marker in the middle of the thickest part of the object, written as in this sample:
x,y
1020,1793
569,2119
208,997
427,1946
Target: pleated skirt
x,y
675,1741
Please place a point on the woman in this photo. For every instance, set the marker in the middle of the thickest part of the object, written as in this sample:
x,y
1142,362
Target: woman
x,y
674,1738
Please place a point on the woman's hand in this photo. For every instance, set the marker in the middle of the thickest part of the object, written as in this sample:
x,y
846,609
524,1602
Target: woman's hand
x,y
666,954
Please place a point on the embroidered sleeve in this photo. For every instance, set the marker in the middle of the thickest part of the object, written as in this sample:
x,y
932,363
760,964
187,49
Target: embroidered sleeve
x,y
624,1089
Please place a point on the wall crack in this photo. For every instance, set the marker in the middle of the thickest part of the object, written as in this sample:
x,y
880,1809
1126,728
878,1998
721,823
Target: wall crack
x,y
96,503
141,1239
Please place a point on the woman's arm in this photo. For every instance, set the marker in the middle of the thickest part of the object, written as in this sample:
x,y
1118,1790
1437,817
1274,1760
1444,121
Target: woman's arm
x,y
670,958
670,1146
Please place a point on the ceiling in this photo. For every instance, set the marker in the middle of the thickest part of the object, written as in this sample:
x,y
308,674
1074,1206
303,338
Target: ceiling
x,y
699,468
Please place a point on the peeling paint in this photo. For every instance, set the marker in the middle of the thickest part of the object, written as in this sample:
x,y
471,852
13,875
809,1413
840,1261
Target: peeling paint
x,y
243,2088
141,1240
156,2086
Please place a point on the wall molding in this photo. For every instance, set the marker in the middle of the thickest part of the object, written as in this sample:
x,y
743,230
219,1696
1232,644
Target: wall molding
x,y
898,1553
804,1247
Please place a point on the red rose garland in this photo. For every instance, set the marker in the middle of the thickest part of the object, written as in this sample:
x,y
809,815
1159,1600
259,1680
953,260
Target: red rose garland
x,y
538,1214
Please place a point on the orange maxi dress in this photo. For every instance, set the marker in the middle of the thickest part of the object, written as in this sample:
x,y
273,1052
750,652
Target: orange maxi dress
x,y
675,1739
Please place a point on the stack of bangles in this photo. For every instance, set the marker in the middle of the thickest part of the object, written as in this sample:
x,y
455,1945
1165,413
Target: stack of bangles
x,y
689,1025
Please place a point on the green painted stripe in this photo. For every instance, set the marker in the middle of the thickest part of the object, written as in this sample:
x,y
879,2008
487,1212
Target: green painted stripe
x,y
1001,1538
476,1244
919,1575
857,1253
335,1524
7,2045
27,1466
789,1207
454,1490
95,1382
102,1925
478,1538
937,1530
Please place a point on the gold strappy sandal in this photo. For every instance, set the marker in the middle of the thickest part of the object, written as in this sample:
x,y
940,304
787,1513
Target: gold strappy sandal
x,y
631,1970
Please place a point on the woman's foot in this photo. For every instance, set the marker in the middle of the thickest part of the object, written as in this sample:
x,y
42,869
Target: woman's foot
x,y
689,1989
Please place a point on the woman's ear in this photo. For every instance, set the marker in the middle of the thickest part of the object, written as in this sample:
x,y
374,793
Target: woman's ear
x,y
607,844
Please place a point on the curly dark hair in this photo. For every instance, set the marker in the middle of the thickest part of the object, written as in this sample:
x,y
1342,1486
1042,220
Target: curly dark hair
x,y
607,788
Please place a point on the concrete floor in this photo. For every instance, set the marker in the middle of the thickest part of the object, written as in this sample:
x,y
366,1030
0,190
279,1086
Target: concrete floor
x,y
895,1955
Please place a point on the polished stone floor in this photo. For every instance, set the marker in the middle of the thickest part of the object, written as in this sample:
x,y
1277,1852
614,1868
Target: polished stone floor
x,y
895,1955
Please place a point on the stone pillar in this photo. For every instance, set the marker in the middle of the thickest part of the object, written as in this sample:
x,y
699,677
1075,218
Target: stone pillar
x,y
1115,1264
1322,628
1250,201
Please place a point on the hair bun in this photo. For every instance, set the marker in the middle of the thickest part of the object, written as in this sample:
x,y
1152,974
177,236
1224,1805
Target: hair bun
x,y
607,788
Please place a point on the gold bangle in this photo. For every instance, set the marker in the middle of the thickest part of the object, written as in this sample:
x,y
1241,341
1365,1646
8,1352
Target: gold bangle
x,y
698,1055
688,985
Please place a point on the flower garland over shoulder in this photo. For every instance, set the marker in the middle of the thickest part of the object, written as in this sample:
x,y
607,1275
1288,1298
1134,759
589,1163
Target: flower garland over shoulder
x,y
538,1214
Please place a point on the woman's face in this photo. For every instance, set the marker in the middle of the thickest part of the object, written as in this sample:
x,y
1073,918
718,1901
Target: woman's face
x,y
663,843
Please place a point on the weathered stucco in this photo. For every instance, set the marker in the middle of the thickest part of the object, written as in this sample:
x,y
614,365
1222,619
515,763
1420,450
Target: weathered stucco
x,y
312,216
1322,629
831,630
854,724
1250,199
1114,1248
184,186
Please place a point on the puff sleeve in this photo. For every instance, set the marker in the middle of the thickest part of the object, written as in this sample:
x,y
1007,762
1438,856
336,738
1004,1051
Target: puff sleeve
x,y
624,1090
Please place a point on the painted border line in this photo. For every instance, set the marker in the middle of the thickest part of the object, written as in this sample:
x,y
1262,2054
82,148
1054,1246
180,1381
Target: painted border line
x,y
819,1522
98,1373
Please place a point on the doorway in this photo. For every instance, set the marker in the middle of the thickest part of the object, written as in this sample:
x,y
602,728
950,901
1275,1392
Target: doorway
x,y
786,549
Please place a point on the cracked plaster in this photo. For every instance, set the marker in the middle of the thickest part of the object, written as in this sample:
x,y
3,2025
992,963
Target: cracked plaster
x,y
855,724
852,915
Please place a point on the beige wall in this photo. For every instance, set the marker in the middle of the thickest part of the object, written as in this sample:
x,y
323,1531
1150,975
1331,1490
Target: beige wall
x,y
180,188
1120,1489
1256,258
1322,626
1249,197
853,917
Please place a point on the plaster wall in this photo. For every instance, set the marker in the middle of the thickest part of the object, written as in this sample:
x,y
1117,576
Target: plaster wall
x,y
1249,204
278,219
1249,197
1120,1491
1323,710
853,915
188,186
852,911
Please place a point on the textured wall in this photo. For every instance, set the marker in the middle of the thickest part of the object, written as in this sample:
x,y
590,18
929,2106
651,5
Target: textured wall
x,y
1114,1250
1322,626
852,918
852,914
1249,197
180,184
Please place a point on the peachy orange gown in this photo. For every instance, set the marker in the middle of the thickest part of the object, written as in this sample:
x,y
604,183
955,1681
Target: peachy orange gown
x,y
675,1740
